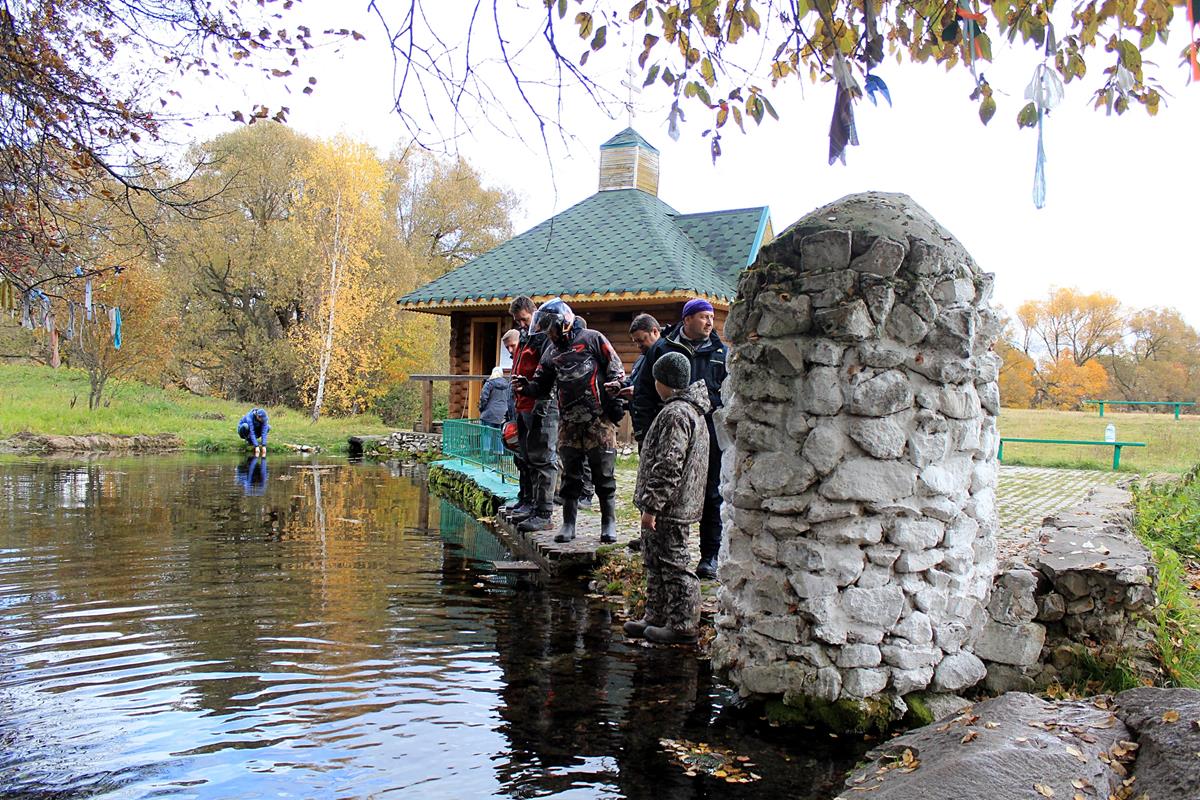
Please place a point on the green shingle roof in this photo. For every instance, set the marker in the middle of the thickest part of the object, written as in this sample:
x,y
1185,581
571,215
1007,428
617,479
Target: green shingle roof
x,y
628,137
613,242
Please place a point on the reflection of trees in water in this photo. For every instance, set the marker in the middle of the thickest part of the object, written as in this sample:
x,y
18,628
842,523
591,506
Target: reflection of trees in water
x,y
304,577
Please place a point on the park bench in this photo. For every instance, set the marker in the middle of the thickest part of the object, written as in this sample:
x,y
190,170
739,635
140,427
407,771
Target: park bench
x,y
1116,446
1175,403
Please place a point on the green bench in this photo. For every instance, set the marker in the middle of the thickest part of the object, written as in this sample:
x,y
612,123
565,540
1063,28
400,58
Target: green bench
x,y
1176,403
1116,446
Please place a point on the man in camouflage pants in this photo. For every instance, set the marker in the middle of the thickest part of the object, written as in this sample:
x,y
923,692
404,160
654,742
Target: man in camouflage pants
x,y
670,495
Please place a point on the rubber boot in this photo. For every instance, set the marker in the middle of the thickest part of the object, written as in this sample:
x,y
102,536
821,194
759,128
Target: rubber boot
x,y
608,520
665,635
567,531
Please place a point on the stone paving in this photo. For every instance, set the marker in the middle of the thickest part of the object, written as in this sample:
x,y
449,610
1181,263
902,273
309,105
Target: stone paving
x,y
1027,495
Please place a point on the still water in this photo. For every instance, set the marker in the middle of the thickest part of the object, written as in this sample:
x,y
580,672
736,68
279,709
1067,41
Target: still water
x,y
198,628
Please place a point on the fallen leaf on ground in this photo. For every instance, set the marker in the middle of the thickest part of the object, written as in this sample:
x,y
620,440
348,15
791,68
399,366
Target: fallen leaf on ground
x,y
1043,790
1170,716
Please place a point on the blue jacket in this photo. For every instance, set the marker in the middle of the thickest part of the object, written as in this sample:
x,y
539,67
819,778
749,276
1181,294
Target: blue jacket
x,y
496,404
708,365
256,433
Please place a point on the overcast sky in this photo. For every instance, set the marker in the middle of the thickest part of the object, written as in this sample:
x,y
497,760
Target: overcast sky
x,y
1121,213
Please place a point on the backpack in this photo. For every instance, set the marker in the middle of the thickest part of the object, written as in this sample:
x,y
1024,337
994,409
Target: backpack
x,y
577,373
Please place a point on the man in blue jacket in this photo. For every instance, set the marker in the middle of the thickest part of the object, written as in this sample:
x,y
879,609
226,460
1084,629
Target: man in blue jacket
x,y
695,338
253,428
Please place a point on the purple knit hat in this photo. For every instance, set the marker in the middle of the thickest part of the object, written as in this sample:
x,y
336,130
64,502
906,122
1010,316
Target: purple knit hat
x,y
695,306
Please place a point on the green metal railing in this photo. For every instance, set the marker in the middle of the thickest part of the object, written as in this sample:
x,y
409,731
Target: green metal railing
x,y
1116,446
1176,404
479,444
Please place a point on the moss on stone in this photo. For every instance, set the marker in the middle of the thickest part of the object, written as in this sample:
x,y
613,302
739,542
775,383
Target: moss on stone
x,y
919,713
870,715
463,491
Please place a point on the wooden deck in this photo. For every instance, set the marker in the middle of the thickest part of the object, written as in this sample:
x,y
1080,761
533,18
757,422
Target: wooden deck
x,y
567,558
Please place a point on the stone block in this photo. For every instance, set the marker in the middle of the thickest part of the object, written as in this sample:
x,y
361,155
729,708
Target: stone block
x,y
808,584
915,535
884,258
781,314
882,354
958,671
860,683
879,297
881,607
1051,607
825,352
916,628
881,437
858,530
1018,645
908,656
919,562
1012,601
858,655
824,447
905,325
821,392
955,291
881,394
911,680
869,480
827,250
848,322
781,629
822,510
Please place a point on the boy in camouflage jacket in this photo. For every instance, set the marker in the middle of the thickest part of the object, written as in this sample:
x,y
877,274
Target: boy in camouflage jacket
x,y
670,495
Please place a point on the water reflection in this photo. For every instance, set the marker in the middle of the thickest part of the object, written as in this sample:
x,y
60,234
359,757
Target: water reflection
x,y
333,632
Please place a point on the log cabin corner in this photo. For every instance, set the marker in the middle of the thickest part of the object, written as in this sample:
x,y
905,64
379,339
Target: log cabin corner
x,y
618,253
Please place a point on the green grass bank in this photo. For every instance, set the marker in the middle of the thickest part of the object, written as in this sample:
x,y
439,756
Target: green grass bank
x,y
1168,522
37,399
1171,445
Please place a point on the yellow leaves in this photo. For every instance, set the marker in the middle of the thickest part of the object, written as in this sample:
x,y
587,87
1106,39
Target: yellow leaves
x,y
1043,790
1170,716
584,20
698,758
969,737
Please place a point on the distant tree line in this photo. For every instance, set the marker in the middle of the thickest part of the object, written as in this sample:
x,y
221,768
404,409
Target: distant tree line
x,y
1073,346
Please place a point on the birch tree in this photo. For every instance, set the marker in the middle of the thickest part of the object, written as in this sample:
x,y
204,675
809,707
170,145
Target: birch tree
x,y
340,215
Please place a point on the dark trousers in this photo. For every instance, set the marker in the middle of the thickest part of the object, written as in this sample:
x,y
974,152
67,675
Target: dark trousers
x,y
710,522
602,464
537,432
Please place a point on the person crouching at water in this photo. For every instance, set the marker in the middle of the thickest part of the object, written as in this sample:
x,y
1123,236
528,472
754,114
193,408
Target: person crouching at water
x,y
671,477
253,428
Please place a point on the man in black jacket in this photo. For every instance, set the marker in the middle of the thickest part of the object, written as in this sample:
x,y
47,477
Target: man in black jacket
x,y
696,339
583,369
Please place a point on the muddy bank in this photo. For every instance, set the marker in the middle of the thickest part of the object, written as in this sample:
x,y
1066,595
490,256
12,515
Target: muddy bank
x,y
92,443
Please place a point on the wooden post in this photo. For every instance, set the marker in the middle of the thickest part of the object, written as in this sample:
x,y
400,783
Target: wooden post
x,y
427,407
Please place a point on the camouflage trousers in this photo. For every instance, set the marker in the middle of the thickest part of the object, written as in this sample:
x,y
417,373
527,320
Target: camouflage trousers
x,y
672,588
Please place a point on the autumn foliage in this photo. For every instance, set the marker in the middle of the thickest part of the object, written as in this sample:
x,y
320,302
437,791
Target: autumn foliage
x,y
1071,346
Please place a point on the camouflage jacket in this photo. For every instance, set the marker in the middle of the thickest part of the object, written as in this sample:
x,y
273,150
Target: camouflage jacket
x,y
674,458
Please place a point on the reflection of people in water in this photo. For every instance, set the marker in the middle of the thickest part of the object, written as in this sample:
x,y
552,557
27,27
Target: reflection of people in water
x,y
252,476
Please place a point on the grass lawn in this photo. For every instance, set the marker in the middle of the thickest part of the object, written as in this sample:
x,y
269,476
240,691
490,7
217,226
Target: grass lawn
x,y
1171,445
38,400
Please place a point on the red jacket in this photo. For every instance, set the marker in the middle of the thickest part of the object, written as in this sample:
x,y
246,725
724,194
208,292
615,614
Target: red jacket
x,y
525,363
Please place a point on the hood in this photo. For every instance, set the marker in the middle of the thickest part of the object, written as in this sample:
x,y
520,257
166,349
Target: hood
x,y
696,394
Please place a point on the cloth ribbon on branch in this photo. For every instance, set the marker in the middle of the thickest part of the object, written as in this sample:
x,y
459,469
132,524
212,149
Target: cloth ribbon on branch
x,y
841,128
873,53
1193,17
1045,91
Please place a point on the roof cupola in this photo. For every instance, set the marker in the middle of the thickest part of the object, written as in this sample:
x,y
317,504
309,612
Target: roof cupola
x,y
627,161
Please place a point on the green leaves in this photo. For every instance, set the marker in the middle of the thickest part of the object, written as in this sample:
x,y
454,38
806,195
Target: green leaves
x,y
987,110
1028,116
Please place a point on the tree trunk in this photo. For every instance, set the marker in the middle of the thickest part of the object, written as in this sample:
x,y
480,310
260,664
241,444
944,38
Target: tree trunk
x,y
334,279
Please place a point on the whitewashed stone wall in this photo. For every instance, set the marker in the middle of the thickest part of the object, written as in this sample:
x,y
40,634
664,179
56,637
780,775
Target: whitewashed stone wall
x,y
859,468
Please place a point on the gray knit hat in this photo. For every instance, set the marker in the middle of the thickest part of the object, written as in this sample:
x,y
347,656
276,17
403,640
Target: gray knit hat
x,y
674,370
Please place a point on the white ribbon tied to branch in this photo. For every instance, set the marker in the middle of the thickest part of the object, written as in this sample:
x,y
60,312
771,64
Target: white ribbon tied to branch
x,y
1045,91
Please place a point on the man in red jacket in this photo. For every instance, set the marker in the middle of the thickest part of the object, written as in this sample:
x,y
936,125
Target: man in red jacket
x,y
537,427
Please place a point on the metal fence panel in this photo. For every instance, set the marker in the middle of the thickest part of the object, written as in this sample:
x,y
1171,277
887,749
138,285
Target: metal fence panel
x,y
479,444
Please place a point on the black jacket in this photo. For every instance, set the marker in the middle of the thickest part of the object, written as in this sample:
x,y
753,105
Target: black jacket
x,y
605,367
708,365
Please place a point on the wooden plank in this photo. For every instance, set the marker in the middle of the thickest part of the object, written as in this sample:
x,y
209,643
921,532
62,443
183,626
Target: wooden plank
x,y
427,407
515,566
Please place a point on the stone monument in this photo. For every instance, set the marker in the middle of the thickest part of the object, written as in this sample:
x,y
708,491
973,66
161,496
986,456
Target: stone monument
x,y
859,468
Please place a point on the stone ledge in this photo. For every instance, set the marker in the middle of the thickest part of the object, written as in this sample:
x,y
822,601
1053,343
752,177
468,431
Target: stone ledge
x,y
1087,586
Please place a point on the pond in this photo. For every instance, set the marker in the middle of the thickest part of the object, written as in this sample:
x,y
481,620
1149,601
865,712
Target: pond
x,y
194,627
